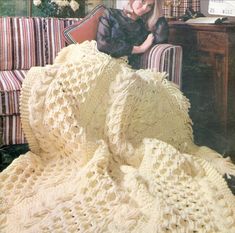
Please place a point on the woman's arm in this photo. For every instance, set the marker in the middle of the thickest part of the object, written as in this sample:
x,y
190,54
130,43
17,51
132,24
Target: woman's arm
x,y
161,31
116,47
144,46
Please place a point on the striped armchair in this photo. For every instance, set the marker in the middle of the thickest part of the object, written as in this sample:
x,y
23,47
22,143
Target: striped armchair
x,y
164,58
27,42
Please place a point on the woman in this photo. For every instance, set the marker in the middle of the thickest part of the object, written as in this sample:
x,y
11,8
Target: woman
x,y
132,31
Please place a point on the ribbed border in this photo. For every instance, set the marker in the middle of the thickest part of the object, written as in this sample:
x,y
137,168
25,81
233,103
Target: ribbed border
x,y
214,176
24,109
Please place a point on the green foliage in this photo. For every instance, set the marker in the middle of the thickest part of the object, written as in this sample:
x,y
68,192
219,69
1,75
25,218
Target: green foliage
x,y
9,153
13,8
45,9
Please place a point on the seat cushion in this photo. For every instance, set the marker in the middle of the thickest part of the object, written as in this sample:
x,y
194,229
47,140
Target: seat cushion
x,y
86,28
10,125
11,131
10,86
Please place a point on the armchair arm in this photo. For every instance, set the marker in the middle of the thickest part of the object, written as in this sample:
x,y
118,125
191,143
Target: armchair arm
x,y
164,57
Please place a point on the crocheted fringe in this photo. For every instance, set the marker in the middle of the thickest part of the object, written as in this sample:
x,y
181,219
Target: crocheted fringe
x,y
183,103
173,89
215,176
222,165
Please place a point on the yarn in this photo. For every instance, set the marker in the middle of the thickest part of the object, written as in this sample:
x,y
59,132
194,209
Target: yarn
x,y
111,151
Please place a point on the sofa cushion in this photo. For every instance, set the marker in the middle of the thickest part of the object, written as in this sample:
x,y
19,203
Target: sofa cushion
x,y
86,28
10,125
10,86
11,131
22,43
54,28
27,42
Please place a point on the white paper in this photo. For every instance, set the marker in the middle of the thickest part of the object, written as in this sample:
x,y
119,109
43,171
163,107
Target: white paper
x,y
203,20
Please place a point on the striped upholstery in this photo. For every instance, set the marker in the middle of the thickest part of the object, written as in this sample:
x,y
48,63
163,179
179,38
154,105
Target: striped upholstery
x,y
11,130
27,42
21,45
164,57
180,10
10,85
54,29
24,42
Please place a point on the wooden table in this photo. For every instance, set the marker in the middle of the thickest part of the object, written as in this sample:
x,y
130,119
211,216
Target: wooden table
x,y
216,45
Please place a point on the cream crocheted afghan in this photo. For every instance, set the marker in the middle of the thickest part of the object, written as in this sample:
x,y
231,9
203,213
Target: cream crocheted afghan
x,y
111,151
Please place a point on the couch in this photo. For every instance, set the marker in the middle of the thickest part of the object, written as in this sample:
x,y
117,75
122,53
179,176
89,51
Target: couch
x,y
35,41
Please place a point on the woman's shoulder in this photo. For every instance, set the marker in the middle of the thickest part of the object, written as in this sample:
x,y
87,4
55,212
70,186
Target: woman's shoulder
x,y
112,12
115,15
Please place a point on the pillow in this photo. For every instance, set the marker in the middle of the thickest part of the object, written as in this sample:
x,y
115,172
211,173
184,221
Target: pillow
x,y
86,28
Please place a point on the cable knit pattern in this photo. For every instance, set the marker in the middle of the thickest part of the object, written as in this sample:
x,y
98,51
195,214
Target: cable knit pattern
x,y
111,151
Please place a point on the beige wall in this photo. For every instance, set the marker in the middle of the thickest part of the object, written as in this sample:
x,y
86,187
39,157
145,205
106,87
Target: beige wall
x,y
204,7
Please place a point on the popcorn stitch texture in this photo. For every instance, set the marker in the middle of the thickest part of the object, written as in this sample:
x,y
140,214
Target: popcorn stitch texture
x,y
110,144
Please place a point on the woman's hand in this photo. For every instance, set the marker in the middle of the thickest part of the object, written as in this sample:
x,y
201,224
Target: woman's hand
x,y
144,46
147,43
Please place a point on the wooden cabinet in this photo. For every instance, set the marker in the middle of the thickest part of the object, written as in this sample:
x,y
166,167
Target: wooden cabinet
x,y
215,45
211,41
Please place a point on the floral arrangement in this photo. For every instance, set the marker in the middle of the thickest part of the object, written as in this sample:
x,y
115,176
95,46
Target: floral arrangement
x,y
60,8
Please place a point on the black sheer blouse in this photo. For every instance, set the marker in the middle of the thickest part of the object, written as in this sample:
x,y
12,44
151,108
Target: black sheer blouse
x,y
118,33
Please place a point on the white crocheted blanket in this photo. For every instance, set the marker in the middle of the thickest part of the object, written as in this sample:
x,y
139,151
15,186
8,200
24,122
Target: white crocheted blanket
x,y
111,151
